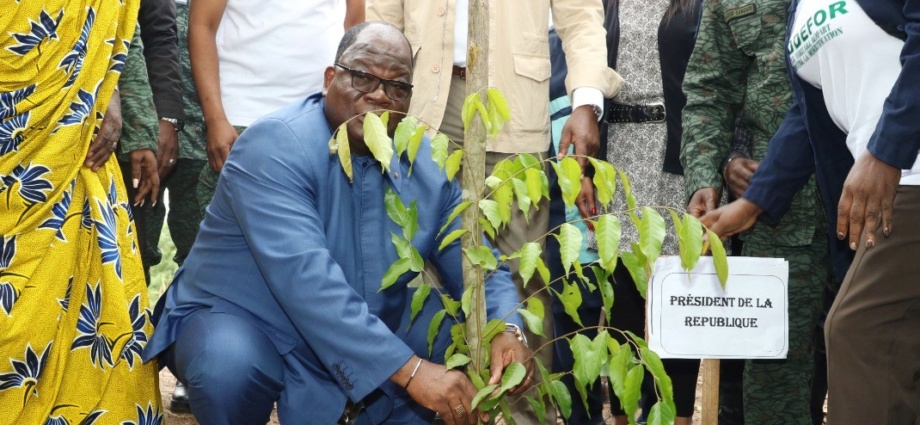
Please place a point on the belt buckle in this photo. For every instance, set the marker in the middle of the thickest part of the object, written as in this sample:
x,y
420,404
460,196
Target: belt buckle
x,y
656,112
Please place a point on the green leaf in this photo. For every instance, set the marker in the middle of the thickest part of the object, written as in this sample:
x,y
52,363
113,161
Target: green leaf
x,y
589,356
656,368
607,232
414,143
469,107
466,300
483,115
439,149
513,375
456,361
482,256
453,215
418,300
544,272
411,226
504,192
719,259
433,328
393,273
627,190
487,227
496,119
385,118
690,239
562,397
569,174
530,256
490,209
416,262
395,208
483,393
523,197
535,180
452,236
451,305
377,140
571,300
403,133
651,234
453,164
602,277
403,247
539,407
617,369
533,316
630,399
570,239
635,264
344,151
501,104
636,339
604,180
494,327
661,413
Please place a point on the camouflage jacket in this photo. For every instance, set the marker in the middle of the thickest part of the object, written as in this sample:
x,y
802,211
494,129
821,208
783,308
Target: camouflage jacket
x,y
738,65
139,115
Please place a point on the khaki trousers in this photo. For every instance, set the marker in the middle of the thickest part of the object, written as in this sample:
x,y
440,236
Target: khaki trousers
x,y
873,328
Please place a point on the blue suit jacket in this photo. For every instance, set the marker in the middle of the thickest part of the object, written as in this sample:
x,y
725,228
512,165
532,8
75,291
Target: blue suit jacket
x,y
809,142
291,245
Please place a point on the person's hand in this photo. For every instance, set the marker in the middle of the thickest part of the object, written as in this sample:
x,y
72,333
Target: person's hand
x,y
167,148
106,140
703,201
868,196
738,175
144,176
580,130
506,349
221,136
448,392
733,218
587,205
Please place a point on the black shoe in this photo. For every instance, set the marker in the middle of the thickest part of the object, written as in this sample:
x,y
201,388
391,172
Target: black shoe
x,y
179,402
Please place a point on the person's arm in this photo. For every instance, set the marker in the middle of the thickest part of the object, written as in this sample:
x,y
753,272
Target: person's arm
x,y
714,85
868,193
390,11
157,19
354,13
204,19
138,143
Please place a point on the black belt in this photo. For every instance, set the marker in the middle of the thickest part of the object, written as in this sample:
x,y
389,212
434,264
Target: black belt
x,y
623,113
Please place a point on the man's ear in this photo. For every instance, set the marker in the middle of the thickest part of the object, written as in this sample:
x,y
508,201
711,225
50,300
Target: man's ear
x,y
328,76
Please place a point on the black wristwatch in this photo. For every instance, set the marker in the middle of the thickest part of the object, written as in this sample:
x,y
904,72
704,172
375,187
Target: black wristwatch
x,y
177,123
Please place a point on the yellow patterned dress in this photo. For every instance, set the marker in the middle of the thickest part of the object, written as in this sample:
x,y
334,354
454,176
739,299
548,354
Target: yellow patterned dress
x,y
74,315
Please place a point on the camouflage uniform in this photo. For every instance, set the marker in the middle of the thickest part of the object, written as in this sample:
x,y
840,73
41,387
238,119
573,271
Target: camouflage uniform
x,y
739,65
185,213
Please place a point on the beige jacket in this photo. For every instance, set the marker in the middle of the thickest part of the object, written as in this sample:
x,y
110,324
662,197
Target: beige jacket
x,y
518,61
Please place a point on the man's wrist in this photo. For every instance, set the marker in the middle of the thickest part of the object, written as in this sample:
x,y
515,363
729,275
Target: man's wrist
x,y
177,123
517,332
590,96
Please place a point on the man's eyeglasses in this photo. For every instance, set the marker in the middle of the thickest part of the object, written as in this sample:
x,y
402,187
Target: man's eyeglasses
x,y
367,83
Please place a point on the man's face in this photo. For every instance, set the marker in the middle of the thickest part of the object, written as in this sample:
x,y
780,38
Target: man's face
x,y
383,53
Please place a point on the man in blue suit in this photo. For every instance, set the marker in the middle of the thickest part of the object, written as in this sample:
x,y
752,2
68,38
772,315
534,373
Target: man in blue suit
x,y
854,67
280,298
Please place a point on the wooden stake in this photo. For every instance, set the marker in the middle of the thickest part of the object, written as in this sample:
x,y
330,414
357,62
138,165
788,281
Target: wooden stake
x,y
711,392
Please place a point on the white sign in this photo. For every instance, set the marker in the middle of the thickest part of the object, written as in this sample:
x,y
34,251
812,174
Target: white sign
x,y
690,316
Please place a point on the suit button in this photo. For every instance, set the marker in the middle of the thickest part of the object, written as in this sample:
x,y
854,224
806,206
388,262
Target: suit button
x,y
436,69
441,11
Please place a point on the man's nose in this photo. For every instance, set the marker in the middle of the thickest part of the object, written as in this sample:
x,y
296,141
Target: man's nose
x,y
378,95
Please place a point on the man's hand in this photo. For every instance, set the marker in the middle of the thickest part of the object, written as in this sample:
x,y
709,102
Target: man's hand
x,y
506,349
868,195
144,176
580,130
167,148
448,392
703,201
221,137
733,218
738,175
587,205
107,140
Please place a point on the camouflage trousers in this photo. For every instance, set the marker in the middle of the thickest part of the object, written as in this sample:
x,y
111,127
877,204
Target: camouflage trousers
x,y
207,182
183,218
779,391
